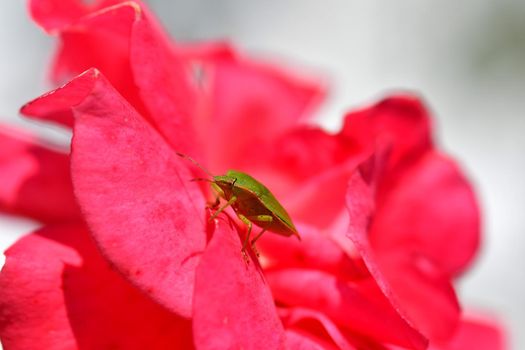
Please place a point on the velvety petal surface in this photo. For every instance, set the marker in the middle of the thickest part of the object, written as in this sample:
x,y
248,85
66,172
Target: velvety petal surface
x,y
430,210
233,305
135,194
34,178
57,292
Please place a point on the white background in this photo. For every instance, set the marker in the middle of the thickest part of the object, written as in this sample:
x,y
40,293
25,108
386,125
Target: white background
x,y
467,58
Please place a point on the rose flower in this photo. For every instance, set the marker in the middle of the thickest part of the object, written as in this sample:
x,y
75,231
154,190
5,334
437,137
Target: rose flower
x,y
128,258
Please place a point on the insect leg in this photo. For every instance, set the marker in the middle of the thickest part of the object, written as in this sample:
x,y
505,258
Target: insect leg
x,y
230,202
261,218
247,239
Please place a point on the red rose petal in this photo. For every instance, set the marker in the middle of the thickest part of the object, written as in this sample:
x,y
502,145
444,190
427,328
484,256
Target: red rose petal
x,y
250,104
360,309
416,291
399,120
34,179
424,292
134,192
163,80
476,333
57,292
101,40
431,209
299,318
308,170
233,306
56,105
300,340
55,14
315,251
126,44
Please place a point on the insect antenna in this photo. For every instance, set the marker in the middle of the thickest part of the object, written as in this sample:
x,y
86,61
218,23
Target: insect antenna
x,y
197,164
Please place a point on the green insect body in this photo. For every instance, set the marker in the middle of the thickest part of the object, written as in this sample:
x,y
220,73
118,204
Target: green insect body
x,y
252,202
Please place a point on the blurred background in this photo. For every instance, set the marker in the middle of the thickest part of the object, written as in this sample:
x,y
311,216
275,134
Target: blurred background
x,y
467,59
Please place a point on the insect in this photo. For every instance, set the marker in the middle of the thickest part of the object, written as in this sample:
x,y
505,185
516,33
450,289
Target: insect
x,y
252,202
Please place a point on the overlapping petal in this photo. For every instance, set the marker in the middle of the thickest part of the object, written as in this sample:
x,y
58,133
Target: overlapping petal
x,y
400,121
420,294
233,305
246,105
34,178
388,285
135,194
348,304
121,41
55,14
57,292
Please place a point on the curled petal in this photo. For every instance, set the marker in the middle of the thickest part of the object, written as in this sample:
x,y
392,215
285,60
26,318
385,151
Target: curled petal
x,y
429,210
56,105
233,306
126,44
401,121
415,288
57,292
299,318
300,340
134,192
55,14
34,179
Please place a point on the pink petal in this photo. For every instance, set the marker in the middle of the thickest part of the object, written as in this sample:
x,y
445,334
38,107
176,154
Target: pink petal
x,y
101,40
399,120
34,179
56,105
477,333
249,105
417,291
163,80
55,14
308,170
429,210
233,306
315,251
351,305
300,340
57,292
135,194
126,44
302,318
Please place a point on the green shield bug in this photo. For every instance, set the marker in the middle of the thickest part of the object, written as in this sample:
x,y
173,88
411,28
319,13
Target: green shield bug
x,y
252,202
